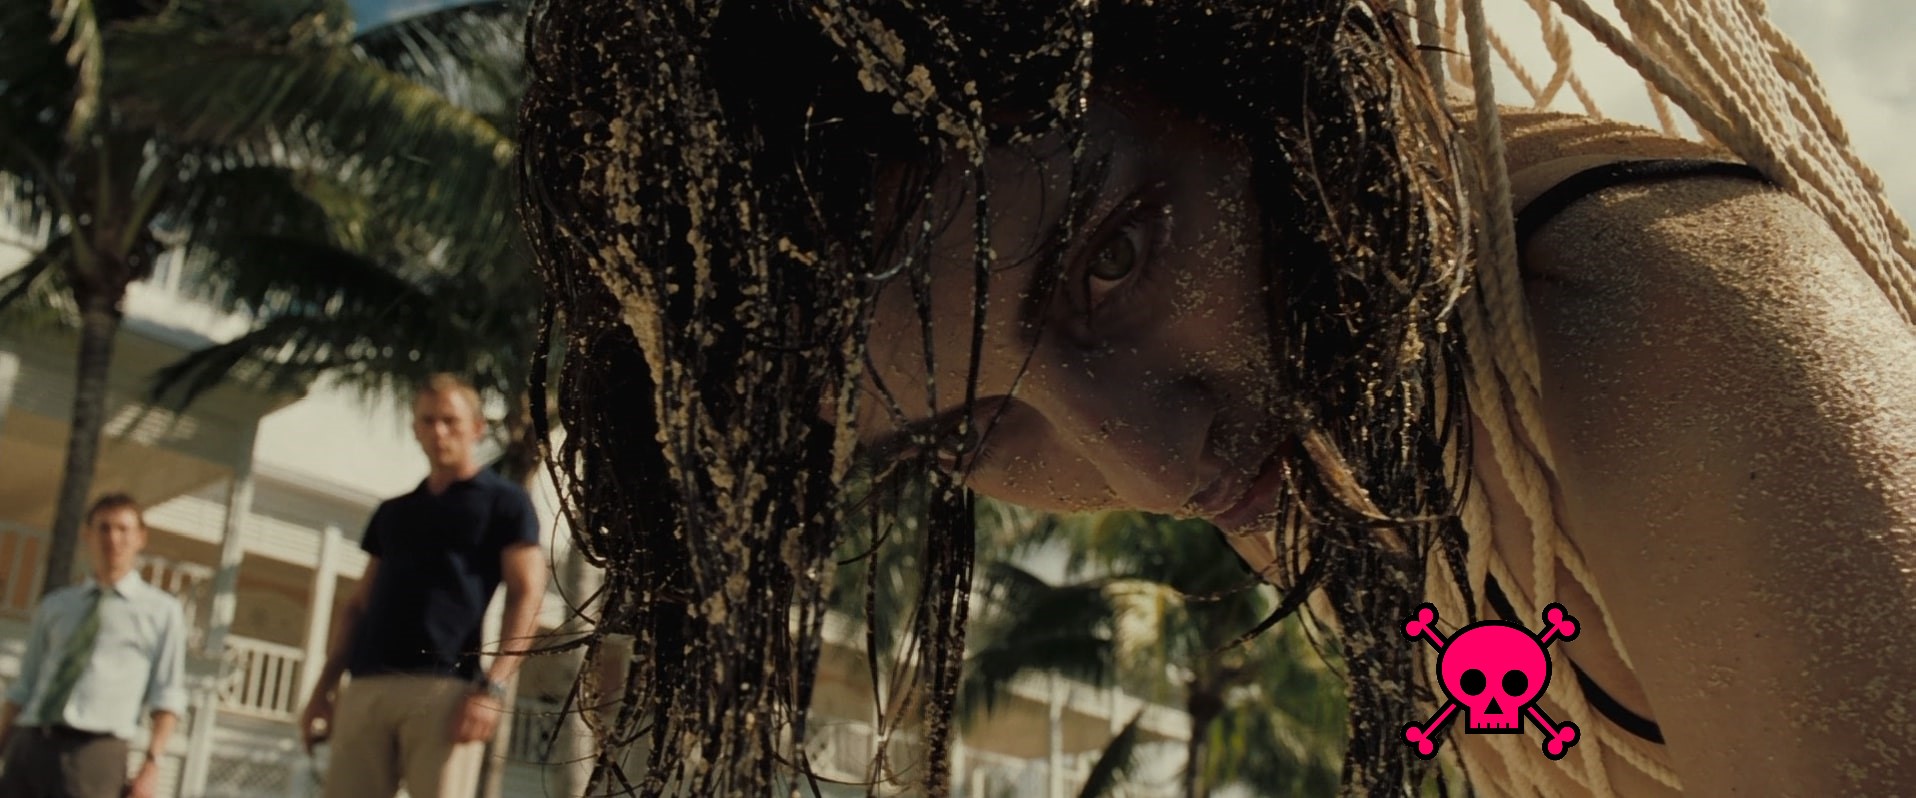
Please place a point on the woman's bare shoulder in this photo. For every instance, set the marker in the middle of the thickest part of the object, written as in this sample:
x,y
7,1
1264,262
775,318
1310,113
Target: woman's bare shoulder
x,y
1732,403
1734,242
1689,285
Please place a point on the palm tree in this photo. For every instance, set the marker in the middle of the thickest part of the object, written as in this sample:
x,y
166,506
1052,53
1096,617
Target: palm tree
x,y
474,316
1162,614
300,179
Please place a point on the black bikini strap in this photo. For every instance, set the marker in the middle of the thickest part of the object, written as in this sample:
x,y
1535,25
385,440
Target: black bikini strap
x,y
1541,210
1590,181
1605,704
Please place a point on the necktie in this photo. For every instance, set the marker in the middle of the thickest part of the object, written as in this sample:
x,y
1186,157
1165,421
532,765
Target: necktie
x,y
73,661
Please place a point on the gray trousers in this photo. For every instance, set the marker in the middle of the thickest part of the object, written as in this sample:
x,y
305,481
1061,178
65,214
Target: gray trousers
x,y
63,763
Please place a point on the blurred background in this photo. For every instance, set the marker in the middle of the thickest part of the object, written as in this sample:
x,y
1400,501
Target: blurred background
x,y
234,234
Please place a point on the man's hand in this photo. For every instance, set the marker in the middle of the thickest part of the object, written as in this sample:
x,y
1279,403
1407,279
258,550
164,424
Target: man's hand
x,y
477,717
145,784
316,723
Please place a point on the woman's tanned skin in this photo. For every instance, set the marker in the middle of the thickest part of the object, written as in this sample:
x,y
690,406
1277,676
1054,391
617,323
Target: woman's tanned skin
x,y
1731,401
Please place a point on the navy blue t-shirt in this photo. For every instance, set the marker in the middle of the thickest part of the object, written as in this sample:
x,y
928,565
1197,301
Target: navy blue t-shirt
x,y
438,567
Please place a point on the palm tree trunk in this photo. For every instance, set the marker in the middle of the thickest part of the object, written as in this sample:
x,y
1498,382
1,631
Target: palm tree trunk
x,y
99,324
1203,708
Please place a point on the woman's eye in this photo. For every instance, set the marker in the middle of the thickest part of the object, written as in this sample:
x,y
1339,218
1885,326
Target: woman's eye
x,y
1117,259
1123,259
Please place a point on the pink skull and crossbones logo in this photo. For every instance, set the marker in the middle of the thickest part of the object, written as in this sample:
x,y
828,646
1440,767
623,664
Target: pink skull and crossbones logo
x,y
1496,670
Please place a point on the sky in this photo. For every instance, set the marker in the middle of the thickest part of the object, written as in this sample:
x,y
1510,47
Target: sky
x,y
374,13
1859,48
1862,50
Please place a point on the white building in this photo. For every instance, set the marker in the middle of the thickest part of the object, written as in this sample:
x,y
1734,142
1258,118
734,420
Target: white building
x,y
257,503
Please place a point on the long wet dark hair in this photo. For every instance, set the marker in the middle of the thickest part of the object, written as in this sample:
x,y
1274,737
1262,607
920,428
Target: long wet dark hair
x,y
701,190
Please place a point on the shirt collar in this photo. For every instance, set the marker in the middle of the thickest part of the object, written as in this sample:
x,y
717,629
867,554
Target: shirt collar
x,y
122,588
477,477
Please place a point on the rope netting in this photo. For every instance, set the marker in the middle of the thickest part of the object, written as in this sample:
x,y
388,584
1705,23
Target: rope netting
x,y
1741,85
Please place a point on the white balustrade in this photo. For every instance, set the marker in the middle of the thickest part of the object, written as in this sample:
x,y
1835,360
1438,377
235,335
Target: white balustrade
x,y
841,749
534,725
261,679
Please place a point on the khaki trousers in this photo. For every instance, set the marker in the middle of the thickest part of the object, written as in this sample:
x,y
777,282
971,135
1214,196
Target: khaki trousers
x,y
61,763
394,730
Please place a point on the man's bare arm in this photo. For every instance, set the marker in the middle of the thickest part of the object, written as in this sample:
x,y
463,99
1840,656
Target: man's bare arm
x,y
163,725
523,568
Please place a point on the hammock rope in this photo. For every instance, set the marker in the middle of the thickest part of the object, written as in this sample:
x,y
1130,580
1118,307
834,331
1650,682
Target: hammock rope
x,y
1745,87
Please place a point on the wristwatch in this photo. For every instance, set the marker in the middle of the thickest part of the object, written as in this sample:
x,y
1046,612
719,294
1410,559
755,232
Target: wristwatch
x,y
491,688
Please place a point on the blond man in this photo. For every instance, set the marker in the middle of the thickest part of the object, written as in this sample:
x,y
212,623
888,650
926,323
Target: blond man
x,y
419,707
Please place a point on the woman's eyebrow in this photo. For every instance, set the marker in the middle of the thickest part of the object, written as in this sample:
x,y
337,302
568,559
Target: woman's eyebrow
x,y
1086,209
1083,210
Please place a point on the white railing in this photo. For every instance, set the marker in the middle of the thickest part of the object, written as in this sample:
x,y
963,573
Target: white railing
x,y
257,759
261,679
534,725
840,749
188,580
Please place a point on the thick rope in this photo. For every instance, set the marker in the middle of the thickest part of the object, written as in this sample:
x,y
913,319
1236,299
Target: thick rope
x,y
1746,87
1806,152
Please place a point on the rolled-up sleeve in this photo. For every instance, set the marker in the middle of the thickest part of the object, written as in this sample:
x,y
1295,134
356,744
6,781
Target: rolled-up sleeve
x,y
515,522
22,688
166,689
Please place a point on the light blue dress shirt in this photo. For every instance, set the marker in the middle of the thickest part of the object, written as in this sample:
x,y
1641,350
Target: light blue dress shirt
x,y
137,667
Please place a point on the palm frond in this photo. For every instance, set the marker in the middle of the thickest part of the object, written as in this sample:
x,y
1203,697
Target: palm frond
x,y
1271,754
224,194
180,383
1028,627
35,295
27,45
270,23
374,353
1176,595
268,275
21,282
36,85
990,671
1115,763
423,157
1005,584
78,26
472,54
27,213
1152,625
372,325
36,82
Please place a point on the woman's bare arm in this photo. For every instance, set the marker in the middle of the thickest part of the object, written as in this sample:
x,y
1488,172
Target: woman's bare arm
x,y
1733,405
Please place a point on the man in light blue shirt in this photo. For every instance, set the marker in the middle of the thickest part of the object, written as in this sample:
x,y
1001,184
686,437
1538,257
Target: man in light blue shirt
x,y
100,655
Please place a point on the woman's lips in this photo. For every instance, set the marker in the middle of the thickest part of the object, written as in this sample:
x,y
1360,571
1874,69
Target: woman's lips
x,y
1255,501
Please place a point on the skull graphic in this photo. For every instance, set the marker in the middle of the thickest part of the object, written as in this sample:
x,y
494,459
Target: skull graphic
x,y
1495,670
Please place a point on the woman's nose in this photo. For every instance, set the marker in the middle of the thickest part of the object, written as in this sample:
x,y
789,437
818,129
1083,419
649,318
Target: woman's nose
x,y
1147,438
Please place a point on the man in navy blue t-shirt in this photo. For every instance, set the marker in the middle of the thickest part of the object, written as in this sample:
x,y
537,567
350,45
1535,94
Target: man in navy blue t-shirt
x,y
419,707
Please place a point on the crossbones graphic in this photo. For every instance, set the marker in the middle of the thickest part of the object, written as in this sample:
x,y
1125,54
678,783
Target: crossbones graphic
x,y
1496,670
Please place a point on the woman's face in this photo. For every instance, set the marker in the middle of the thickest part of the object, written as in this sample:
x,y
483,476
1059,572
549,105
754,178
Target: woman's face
x,y
1147,377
